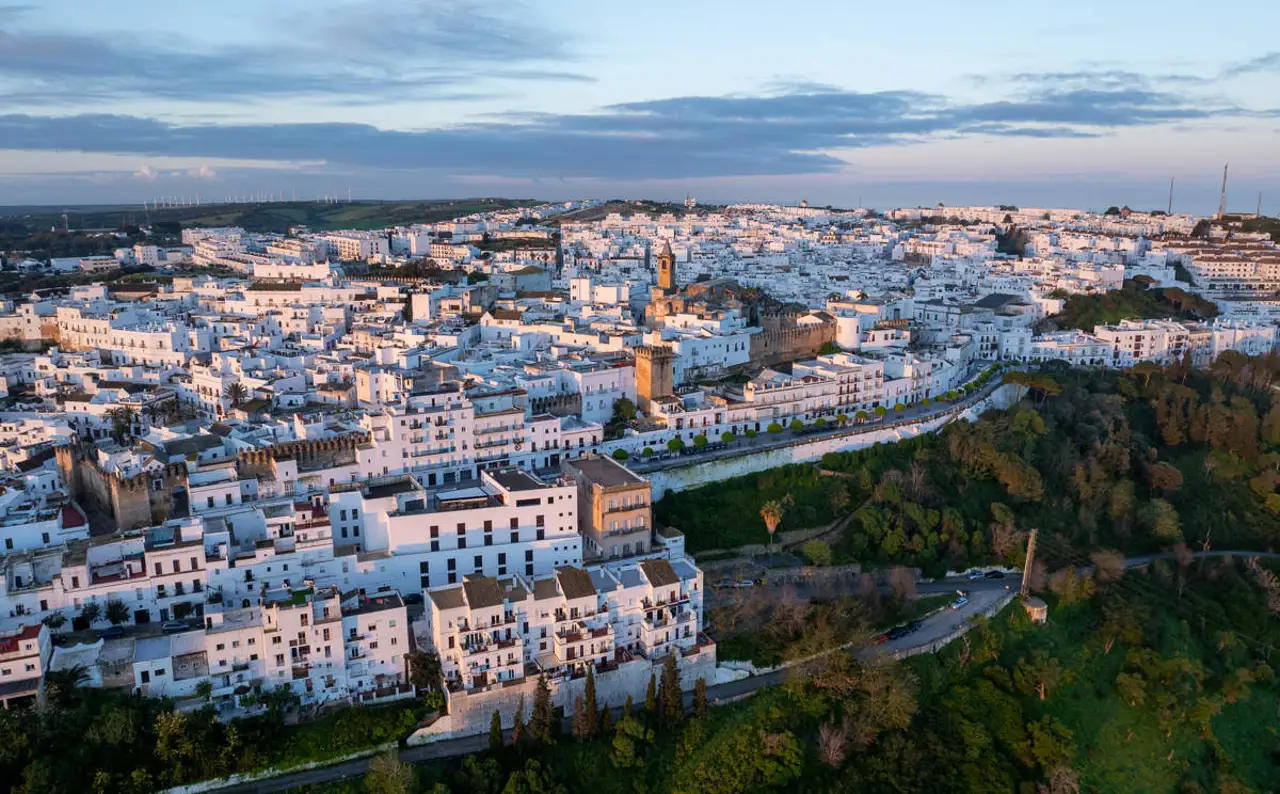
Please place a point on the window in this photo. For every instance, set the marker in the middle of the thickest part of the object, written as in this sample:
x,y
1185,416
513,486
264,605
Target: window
x,y
355,513
435,532
462,529
194,564
228,498
342,515
177,567
159,570
210,501
44,537
515,523
220,646
541,521
479,562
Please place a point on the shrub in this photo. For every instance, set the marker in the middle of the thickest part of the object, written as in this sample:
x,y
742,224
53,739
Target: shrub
x,y
880,410
726,436
899,408
796,424
820,422
862,416
700,440
774,427
676,444
648,453
843,418
620,454
926,402
750,432
817,552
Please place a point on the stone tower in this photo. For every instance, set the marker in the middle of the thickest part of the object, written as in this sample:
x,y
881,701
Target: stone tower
x,y
667,269
655,374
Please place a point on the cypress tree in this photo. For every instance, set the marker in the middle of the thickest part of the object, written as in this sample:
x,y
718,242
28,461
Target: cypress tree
x,y
540,728
495,731
517,728
700,705
672,701
606,721
589,704
626,710
651,696
580,721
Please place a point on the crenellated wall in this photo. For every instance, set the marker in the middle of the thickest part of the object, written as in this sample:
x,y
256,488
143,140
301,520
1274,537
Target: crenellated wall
x,y
783,340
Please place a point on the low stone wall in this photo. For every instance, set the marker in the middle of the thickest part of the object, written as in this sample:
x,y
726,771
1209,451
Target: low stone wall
x,y
959,631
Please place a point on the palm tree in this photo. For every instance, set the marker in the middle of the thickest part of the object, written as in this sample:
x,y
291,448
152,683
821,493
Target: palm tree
x,y
149,412
59,684
90,610
236,393
771,511
122,421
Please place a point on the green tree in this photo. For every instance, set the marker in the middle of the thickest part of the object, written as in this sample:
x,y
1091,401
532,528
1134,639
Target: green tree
x,y
630,740
590,704
700,440
495,731
774,428
1039,673
796,425
648,453
817,552
651,696
532,779
700,705
624,410
676,444
122,419
620,454
204,690
726,437
750,432
90,611
117,612
828,349
519,733
880,411
670,696
542,721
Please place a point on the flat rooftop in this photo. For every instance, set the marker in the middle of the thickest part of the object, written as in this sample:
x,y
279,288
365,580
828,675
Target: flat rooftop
x,y
516,480
605,472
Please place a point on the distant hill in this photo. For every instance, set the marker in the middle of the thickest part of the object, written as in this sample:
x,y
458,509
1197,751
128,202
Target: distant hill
x,y
261,217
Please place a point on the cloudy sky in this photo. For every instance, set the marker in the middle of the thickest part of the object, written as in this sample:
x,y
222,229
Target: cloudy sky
x,y
1045,102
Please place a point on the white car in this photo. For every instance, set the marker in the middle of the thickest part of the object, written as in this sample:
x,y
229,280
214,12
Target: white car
x,y
959,602
975,575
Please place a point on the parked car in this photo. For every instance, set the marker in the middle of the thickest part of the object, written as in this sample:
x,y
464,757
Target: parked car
x,y
897,632
174,626
726,583
975,575
914,626
746,583
994,574
111,633
880,639
959,602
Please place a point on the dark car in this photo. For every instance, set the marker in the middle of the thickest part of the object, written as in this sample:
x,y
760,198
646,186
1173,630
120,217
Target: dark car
x,y
995,574
175,626
897,632
111,633
914,626
413,598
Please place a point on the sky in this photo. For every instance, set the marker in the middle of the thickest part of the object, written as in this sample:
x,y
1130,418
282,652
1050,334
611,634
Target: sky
x,y
1041,103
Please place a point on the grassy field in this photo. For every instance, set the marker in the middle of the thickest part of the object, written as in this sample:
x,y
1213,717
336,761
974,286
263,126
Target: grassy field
x,y
261,217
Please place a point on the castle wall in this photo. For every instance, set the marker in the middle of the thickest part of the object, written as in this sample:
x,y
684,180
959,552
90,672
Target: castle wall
x,y
782,340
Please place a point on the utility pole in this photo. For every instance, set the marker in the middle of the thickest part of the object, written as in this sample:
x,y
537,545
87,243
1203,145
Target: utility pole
x,y
1031,558
1170,211
1258,214
1222,202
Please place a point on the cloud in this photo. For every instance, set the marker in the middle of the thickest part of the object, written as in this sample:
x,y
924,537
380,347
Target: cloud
x,y
442,51
796,132
1263,63
145,174
203,172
